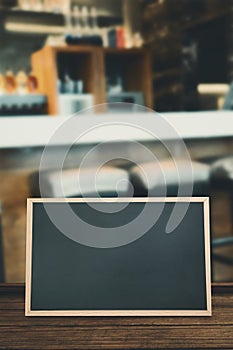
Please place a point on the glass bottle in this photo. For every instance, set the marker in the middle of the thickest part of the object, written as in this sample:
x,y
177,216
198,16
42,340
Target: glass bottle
x,y
32,83
85,22
21,81
10,83
77,26
94,21
68,84
2,84
68,26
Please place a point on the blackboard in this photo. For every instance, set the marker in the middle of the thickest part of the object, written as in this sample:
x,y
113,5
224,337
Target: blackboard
x,y
155,273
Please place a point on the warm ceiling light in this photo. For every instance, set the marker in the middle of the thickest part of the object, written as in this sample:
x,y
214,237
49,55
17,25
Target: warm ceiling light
x,y
217,89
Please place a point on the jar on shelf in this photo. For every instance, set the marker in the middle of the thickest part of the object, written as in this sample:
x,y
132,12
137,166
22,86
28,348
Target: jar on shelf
x,y
10,83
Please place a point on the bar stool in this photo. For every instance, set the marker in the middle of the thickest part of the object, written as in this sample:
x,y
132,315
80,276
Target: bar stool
x,y
222,178
1,251
150,177
109,182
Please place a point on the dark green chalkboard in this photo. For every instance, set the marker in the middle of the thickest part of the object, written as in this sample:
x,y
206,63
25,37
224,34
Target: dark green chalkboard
x,y
158,273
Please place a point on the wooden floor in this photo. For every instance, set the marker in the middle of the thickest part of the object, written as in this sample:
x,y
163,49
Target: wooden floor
x,y
20,332
14,190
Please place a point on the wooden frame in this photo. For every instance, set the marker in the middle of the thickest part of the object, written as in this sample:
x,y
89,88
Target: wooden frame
x,y
139,71
44,64
29,312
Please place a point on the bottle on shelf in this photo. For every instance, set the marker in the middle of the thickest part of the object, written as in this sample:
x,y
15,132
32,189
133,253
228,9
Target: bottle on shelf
x,y
68,84
59,86
77,29
81,27
78,87
10,83
21,82
85,21
2,84
137,40
116,37
94,21
32,83
104,36
68,26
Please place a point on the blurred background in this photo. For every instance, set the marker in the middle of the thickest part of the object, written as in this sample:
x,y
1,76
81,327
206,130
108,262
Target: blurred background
x,y
59,57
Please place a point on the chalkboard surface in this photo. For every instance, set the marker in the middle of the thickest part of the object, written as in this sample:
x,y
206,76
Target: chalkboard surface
x,y
156,274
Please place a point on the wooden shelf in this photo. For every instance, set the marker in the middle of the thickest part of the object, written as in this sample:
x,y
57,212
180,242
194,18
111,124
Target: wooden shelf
x,y
91,65
90,60
54,22
134,66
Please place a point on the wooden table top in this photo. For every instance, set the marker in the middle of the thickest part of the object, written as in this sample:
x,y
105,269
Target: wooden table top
x,y
20,332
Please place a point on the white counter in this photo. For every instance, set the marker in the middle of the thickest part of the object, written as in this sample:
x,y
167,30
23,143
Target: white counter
x,y
37,131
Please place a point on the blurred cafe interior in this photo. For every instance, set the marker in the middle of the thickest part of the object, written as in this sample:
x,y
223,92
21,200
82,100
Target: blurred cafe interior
x,y
107,59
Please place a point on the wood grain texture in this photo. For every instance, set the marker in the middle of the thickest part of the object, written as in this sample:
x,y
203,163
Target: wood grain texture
x,y
13,193
44,63
20,332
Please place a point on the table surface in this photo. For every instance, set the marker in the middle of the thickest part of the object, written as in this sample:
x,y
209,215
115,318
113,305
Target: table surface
x,y
16,132
20,332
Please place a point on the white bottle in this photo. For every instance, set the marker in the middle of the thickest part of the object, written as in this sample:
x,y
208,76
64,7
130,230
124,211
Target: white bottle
x,y
2,84
85,22
68,24
77,30
68,85
21,81
94,21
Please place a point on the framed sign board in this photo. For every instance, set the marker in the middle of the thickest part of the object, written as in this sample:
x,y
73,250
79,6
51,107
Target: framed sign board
x,y
70,272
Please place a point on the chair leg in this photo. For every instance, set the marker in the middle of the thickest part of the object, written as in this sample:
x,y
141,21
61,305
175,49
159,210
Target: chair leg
x,y
1,253
231,199
224,241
